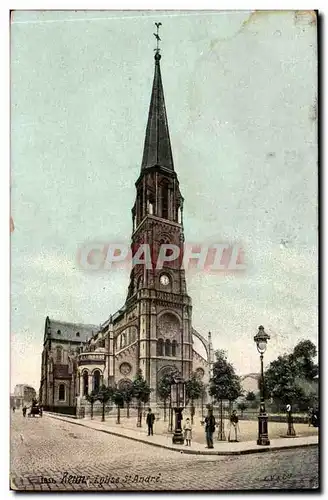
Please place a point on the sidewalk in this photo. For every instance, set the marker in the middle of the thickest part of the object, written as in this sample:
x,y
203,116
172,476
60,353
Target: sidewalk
x,y
221,448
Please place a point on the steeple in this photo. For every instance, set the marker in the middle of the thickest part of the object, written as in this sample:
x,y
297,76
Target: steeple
x,y
157,148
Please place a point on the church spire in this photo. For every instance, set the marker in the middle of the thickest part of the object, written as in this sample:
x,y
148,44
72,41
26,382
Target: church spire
x,y
157,148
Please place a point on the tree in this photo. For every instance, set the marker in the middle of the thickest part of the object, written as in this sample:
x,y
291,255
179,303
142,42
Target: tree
x,y
164,389
104,395
235,390
287,378
224,384
305,349
91,398
250,396
194,389
127,392
141,392
302,356
242,406
118,400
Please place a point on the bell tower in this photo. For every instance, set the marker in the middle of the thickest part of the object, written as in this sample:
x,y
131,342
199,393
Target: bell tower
x,y
165,338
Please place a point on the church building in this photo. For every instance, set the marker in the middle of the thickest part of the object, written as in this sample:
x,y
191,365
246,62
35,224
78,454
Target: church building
x,y
153,330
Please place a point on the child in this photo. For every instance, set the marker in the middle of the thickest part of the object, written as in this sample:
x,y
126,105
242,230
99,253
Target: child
x,y
187,432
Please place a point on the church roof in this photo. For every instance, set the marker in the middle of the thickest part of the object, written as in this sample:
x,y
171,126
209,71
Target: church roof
x,y
157,148
72,332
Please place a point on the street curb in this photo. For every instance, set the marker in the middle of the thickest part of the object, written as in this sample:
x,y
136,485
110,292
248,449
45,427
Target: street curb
x,y
188,452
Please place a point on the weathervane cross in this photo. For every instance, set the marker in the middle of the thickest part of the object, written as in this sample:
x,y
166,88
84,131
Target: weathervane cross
x,y
156,35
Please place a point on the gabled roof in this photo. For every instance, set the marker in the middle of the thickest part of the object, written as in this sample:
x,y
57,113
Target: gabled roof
x,y
68,331
157,148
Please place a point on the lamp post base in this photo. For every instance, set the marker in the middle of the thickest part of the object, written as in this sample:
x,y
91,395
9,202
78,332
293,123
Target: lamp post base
x,y
177,437
263,437
290,429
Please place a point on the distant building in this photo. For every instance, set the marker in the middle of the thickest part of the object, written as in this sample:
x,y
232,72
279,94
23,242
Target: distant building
x,y
23,394
249,383
62,343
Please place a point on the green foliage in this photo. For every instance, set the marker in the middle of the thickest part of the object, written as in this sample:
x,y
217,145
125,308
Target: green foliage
x,y
127,392
242,406
105,394
118,398
305,349
141,389
290,378
224,384
194,387
250,396
91,397
302,358
164,386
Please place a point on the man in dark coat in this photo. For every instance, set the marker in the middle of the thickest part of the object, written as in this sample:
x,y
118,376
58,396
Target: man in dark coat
x,y
209,428
150,422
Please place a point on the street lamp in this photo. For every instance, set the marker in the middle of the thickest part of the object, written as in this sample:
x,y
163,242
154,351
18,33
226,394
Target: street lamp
x,y
261,340
178,402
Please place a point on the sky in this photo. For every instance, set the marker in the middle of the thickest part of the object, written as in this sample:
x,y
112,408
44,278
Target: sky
x,y
240,91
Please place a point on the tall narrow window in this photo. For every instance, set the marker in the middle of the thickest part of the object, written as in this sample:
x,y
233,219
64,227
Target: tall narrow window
x,y
160,347
174,348
59,355
167,348
96,380
141,204
61,395
85,383
165,200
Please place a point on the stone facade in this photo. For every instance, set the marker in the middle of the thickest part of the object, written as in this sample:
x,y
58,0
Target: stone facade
x,y
153,330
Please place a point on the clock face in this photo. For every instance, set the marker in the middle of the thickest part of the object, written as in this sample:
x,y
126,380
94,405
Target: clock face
x,y
164,280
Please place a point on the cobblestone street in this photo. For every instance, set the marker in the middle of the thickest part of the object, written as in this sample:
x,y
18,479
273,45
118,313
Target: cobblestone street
x,y
49,454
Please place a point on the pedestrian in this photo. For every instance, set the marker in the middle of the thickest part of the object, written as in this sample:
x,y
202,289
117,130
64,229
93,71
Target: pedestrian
x,y
14,409
315,418
209,428
233,425
40,411
310,416
187,432
150,422
24,411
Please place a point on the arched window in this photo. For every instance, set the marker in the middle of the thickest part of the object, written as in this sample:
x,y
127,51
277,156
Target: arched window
x,y
59,354
150,205
96,380
160,347
123,340
133,335
85,383
167,348
174,348
61,395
